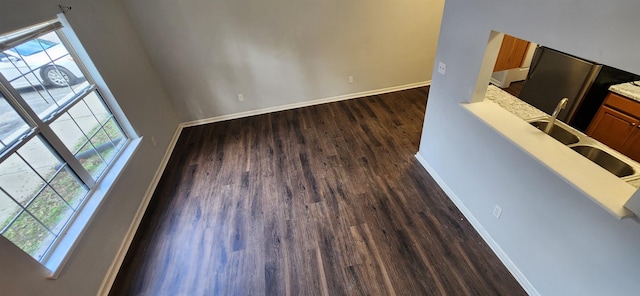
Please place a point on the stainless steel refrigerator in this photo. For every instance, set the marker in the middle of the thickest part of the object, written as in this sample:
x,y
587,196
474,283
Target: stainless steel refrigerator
x,y
554,75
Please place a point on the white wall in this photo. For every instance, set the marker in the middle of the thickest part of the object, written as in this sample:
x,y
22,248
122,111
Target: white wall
x,y
282,52
561,241
105,30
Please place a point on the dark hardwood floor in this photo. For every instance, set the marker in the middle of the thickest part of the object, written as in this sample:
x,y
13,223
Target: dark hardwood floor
x,y
515,88
322,200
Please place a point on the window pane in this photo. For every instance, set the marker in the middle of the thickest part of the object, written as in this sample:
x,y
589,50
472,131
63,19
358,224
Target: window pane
x,y
91,133
68,131
51,210
99,110
84,118
44,71
19,180
29,235
38,154
12,125
115,133
104,145
69,187
39,181
91,160
8,210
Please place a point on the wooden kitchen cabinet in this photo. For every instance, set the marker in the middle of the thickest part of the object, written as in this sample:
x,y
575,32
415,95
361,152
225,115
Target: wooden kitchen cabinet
x,y
612,128
617,125
632,147
512,53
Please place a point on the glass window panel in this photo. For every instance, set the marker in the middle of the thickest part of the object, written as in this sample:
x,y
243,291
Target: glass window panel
x,y
103,145
16,71
84,118
39,156
91,160
8,210
73,128
12,125
29,235
19,180
97,106
115,132
51,210
67,184
68,131
44,71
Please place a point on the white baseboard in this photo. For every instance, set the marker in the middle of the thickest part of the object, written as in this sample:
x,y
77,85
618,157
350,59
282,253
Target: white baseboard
x,y
515,271
504,78
305,104
496,82
110,277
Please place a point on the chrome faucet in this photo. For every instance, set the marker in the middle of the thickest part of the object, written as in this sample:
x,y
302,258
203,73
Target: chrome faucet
x,y
552,121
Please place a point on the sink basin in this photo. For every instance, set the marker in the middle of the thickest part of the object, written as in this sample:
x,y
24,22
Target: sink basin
x,y
605,160
557,132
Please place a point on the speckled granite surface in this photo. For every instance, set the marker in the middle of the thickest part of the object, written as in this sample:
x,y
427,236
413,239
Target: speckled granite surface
x,y
627,89
512,104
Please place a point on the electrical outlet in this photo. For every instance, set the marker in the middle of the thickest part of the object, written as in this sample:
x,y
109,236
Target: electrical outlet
x,y
442,67
154,141
350,79
497,211
240,98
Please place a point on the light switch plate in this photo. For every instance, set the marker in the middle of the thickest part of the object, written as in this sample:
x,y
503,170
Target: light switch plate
x,y
497,211
442,67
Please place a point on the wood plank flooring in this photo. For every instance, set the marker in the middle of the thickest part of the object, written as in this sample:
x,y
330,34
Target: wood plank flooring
x,y
322,200
515,88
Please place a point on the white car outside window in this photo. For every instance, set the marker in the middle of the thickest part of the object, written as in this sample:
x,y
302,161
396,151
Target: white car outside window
x,y
30,64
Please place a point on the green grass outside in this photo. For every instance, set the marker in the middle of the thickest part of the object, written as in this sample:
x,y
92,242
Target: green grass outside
x,y
30,235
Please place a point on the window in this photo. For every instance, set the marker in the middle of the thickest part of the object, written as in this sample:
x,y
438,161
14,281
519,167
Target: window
x,y
58,137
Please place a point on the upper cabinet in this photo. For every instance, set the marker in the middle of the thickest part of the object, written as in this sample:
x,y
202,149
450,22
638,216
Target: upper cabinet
x,y
513,52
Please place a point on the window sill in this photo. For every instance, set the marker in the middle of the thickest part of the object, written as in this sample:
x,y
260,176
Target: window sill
x,y
61,252
609,192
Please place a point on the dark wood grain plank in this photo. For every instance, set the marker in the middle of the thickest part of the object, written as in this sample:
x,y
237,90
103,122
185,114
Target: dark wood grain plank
x,y
322,200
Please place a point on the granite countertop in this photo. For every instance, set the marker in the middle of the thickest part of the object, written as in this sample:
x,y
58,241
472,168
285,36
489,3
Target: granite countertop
x,y
512,103
627,89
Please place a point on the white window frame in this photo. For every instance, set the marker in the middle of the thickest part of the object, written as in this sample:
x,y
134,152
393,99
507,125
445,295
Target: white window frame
x,y
99,188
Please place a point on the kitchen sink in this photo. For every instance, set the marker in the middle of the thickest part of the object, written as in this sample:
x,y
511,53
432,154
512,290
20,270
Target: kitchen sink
x,y
557,132
591,149
605,160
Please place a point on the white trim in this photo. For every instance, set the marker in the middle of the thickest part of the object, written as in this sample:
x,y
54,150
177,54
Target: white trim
x,y
496,82
515,271
112,272
305,104
62,250
504,78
